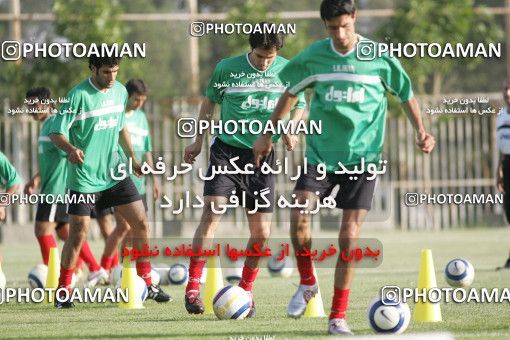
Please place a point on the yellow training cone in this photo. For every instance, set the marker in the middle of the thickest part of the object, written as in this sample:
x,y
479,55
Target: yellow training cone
x,y
213,282
426,311
53,272
315,307
128,282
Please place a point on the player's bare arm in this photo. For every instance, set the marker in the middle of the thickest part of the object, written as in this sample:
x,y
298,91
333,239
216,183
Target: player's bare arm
x,y
75,155
291,140
499,173
32,184
424,140
263,145
127,147
206,114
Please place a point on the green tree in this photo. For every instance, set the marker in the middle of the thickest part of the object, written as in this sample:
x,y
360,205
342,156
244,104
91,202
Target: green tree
x,y
76,21
434,21
254,11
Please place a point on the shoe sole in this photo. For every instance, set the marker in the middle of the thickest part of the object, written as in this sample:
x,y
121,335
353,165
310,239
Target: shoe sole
x,y
343,333
296,316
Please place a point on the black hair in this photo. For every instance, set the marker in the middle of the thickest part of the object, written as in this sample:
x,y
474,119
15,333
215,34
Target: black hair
x,y
265,40
100,61
334,8
39,93
136,86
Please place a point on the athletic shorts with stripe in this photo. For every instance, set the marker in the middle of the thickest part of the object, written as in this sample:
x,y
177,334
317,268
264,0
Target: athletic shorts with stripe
x,y
224,184
121,193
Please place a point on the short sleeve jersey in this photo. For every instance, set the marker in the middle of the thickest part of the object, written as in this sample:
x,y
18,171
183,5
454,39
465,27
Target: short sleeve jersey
x,y
349,98
93,119
503,132
8,175
246,94
138,127
52,162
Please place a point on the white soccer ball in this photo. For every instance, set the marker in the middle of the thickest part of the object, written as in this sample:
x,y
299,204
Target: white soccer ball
x,y
282,268
163,270
459,273
140,286
388,319
178,274
231,302
37,276
234,271
3,280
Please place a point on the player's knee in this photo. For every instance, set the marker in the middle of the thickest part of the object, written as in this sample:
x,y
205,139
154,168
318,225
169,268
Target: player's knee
x,y
142,226
122,228
209,217
79,230
261,235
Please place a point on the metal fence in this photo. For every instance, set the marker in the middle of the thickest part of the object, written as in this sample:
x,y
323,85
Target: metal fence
x,y
464,162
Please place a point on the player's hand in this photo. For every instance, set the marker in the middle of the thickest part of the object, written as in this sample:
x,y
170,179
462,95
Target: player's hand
x,y
2,214
29,188
290,141
155,190
76,156
425,142
192,151
137,168
499,180
261,148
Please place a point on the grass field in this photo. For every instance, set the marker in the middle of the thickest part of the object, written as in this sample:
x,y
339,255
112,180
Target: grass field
x,y
485,248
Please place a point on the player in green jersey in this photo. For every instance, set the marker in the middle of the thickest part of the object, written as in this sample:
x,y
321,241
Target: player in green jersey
x,y
349,99
138,127
247,87
10,181
89,129
51,177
